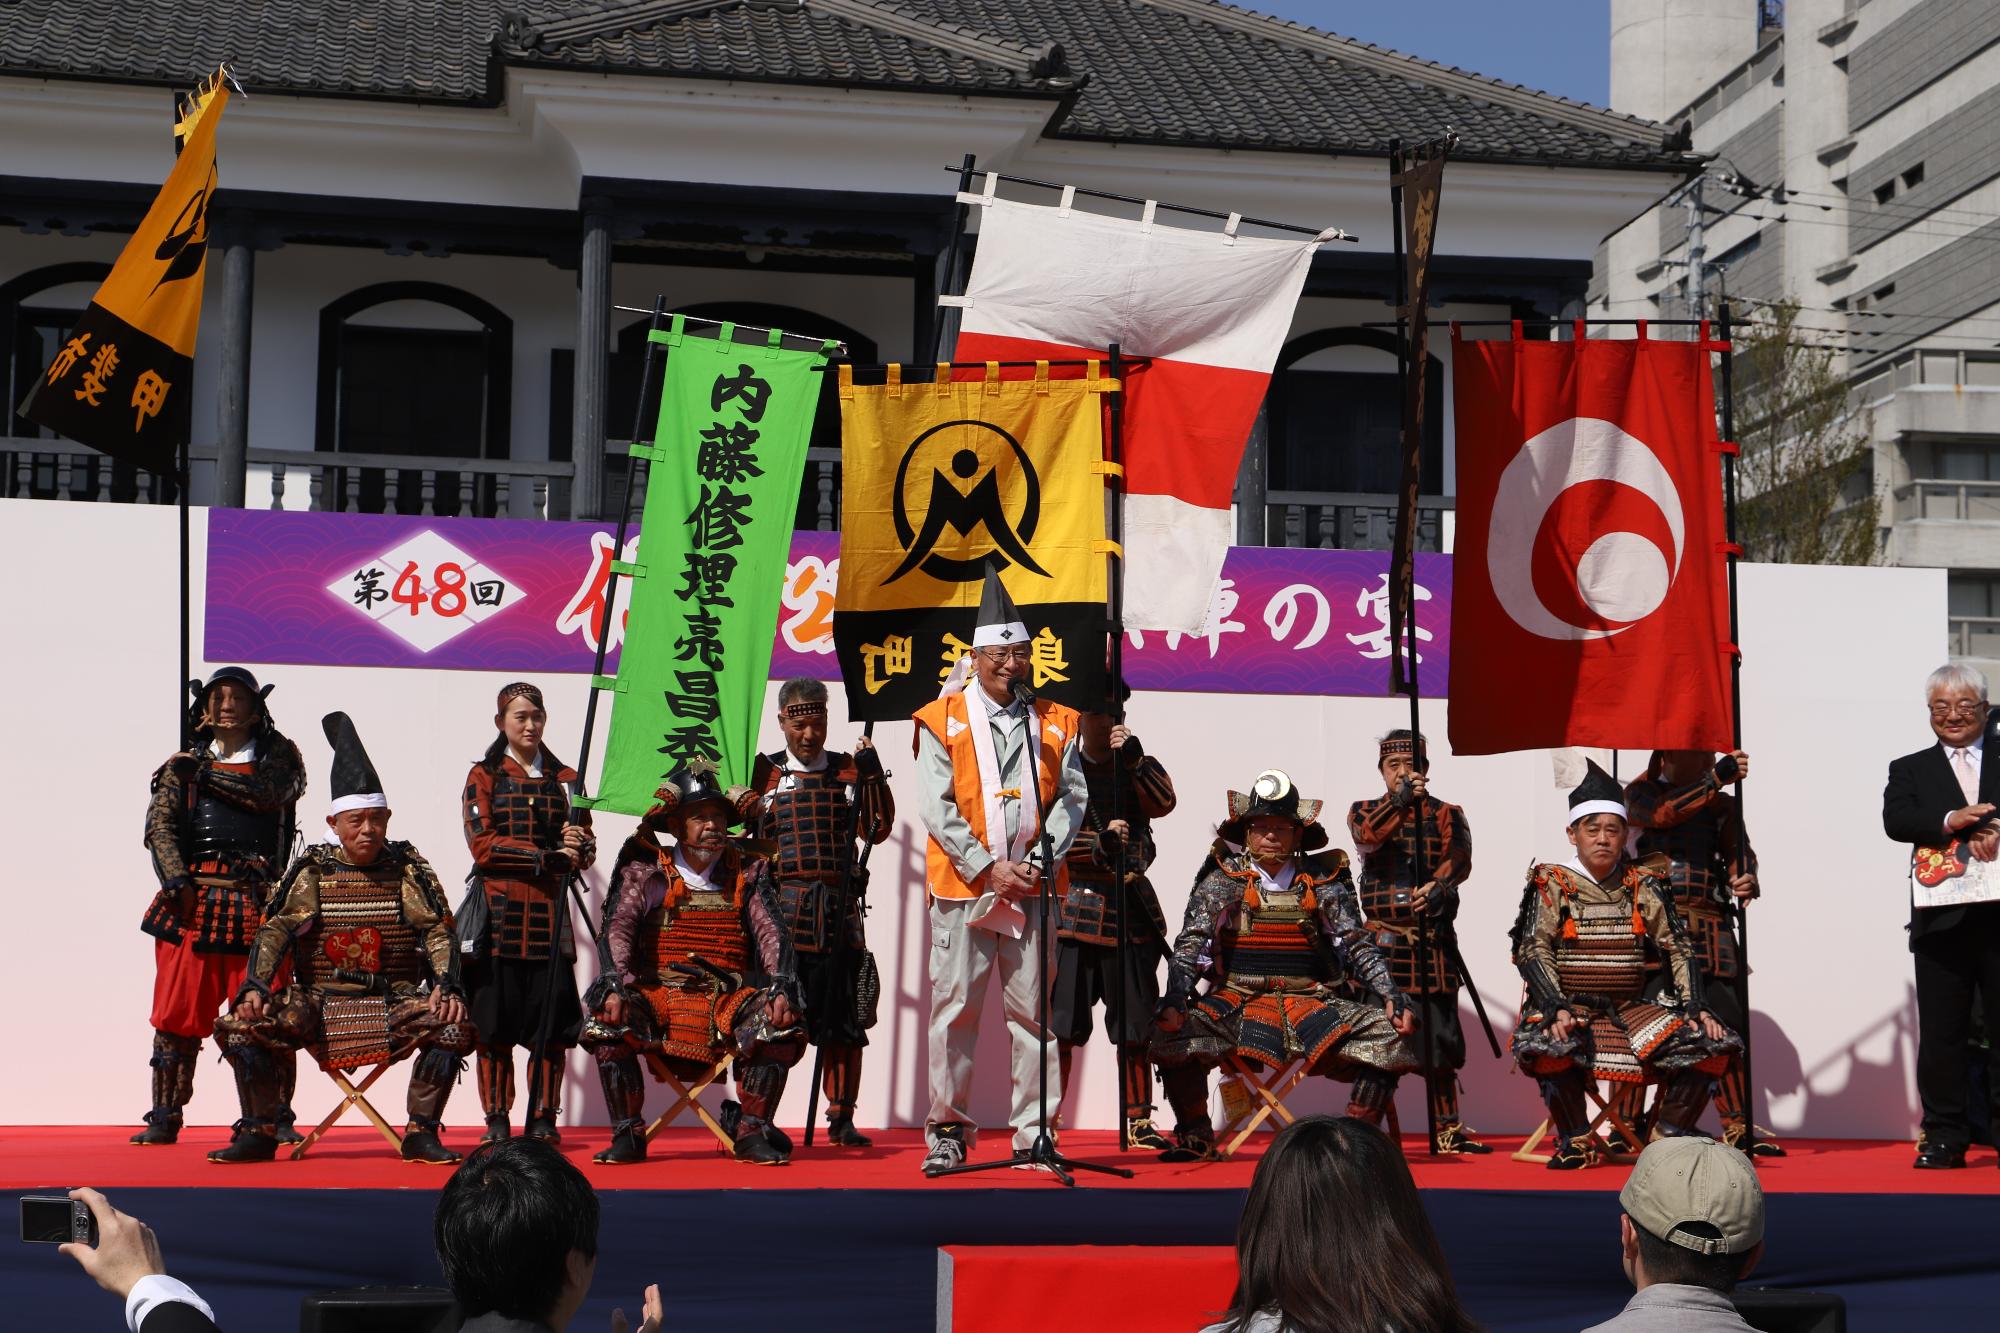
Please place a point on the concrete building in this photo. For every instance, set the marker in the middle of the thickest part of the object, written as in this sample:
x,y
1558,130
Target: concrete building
x,y
1854,171
439,226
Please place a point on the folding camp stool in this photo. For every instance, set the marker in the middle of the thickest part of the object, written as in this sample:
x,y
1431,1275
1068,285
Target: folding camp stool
x,y
1267,1102
1607,1114
687,1097
355,1095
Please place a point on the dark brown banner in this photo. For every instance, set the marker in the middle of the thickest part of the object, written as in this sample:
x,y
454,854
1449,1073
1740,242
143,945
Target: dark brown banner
x,y
1417,179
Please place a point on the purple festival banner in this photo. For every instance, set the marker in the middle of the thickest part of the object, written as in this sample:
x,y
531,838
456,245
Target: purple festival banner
x,y
481,594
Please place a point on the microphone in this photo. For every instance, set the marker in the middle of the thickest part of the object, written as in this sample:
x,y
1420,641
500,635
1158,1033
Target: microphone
x,y
1023,693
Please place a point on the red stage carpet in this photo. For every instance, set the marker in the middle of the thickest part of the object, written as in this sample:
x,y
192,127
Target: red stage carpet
x,y
1180,1287
687,1159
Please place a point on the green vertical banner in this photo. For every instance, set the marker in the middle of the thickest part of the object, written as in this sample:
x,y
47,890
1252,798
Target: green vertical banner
x,y
722,487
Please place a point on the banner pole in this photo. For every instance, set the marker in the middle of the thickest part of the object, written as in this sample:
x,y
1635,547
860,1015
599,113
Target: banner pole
x,y
1735,556
1420,871
633,462
948,279
1114,1014
182,470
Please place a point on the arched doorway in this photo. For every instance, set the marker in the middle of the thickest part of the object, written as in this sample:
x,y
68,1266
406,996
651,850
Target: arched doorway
x,y
414,370
819,490
1334,441
37,311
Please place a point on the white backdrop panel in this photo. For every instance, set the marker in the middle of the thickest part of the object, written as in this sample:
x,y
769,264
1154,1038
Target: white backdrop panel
x,y
1834,663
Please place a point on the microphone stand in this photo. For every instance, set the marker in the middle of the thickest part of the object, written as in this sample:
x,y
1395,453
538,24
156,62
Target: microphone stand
x,y
1043,1152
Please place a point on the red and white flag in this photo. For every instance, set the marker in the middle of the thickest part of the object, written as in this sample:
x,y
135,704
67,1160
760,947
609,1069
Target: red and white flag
x,y
1589,580
1211,310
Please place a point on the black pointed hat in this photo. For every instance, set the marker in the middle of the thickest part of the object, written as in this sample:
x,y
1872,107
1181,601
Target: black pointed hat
x,y
999,624
1598,794
354,784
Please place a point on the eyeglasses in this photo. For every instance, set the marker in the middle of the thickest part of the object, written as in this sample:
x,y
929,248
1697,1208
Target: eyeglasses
x,y
1015,654
1958,709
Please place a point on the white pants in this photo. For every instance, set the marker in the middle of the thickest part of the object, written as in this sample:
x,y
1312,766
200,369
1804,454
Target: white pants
x,y
961,964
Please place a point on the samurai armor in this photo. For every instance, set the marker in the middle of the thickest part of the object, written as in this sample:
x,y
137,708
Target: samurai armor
x,y
359,941
809,819
354,1031
1431,843
514,826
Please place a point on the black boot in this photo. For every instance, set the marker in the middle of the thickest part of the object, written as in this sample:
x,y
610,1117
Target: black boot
x,y
421,1144
255,1138
163,1126
496,1090
253,1141
758,1139
758,1150
172,1064
1574,1154
841,1133
545,1076
624,1096
628,1145
1192,1143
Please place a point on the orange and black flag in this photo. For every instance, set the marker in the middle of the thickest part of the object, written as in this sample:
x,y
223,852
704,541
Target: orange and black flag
x,y
123,380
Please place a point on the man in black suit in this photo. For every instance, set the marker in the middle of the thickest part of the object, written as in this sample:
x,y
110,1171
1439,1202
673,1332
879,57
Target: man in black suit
x,y
1935,795
126,1262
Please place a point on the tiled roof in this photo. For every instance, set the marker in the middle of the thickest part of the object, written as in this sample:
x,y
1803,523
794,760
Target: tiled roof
x,y
1193,73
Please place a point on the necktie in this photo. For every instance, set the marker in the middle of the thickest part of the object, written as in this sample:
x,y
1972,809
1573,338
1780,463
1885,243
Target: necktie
x,y
1968,781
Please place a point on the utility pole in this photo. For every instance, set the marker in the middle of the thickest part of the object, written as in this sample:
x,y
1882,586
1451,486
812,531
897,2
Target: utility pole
x,y
1697,266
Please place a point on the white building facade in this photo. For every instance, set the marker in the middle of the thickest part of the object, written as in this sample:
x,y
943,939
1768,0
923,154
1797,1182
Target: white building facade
x,y
1853,172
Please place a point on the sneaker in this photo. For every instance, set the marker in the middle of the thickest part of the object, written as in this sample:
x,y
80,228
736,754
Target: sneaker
x,y
423,1146
1143,1133
1454,1139
841,1133
1574,1154
946,1152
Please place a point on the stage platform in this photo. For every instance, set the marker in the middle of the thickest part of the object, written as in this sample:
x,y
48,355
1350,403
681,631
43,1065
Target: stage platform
x,y
850,1239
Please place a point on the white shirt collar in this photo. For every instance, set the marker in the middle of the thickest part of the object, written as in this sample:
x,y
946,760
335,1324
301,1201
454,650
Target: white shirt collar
x,y
246,755
1977,748
695,879
1278,883
1006,714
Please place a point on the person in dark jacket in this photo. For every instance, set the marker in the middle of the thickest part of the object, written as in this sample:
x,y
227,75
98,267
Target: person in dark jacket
x,y
1941,801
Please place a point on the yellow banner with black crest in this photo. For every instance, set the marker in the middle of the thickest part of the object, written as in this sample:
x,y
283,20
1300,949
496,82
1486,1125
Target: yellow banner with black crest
x,y
939,482
123,380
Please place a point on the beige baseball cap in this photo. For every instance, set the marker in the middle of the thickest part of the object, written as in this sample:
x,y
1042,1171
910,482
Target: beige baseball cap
x,y
1689,1179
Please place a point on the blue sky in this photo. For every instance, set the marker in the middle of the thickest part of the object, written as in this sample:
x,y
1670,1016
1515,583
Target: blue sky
x,y
1558,46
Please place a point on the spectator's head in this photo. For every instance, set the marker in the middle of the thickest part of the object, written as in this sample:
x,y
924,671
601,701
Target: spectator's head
x,y
516,1233
1957,698
1334,1238
1694,1215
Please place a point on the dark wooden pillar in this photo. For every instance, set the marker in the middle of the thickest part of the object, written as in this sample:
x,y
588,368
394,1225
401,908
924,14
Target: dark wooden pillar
x,y
232,397
593,365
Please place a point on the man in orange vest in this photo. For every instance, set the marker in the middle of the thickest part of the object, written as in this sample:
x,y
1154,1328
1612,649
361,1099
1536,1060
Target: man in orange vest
x,y
994,771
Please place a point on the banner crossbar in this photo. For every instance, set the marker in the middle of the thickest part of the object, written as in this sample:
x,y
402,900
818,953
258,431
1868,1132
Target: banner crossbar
x,y
1336,235
740,326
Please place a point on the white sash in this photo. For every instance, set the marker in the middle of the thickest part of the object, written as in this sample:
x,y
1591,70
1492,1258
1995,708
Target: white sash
x,y
997,842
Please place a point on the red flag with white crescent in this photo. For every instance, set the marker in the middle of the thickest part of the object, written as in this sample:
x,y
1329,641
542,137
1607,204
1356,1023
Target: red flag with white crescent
x,y
1589,583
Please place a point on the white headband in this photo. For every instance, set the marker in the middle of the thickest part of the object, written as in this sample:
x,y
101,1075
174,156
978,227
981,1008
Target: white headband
x,y
363,800
1585,809
1000,636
